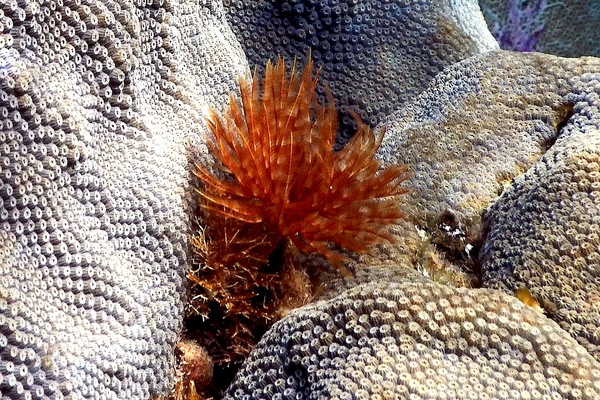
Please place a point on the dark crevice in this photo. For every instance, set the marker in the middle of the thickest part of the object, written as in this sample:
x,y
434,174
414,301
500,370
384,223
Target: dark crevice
x,y
564,112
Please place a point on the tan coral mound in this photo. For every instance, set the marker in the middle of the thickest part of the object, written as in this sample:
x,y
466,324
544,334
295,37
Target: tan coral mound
x,y
417,340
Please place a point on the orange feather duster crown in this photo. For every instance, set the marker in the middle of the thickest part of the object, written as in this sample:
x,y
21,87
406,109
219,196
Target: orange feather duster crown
x,y
279,168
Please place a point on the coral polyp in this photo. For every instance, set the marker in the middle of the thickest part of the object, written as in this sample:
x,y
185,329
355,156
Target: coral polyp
x,y
275,148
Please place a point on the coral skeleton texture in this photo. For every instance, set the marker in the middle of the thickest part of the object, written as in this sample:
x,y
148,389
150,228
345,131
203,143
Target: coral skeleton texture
x,y
277,148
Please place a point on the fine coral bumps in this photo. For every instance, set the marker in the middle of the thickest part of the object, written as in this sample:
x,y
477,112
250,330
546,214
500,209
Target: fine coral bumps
x,y
278,190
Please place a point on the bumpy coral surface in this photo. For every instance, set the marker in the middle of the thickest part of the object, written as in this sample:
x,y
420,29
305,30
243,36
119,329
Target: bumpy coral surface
x,y
96,112
414,340
544,231
460,135
483,122
375,55
100,103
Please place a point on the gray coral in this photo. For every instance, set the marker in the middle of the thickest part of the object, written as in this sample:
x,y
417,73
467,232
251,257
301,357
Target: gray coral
x,y
482,122
375,55
98,107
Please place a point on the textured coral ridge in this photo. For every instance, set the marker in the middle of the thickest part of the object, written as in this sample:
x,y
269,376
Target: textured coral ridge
x,y
544,232
483,121
374,55
459,136
96,109
420,340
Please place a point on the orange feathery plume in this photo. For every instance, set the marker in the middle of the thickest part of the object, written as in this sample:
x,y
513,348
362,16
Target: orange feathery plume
x,y
276,147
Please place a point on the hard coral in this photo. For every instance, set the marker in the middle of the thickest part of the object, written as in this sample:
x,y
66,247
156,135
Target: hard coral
x,y
277,144
375,54
406,338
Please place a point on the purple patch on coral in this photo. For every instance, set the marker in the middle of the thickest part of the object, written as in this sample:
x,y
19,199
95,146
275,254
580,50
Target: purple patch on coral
x,y
524,26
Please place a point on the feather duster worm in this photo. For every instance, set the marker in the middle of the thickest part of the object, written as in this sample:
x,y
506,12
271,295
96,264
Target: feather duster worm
x,y
277,146
279,189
